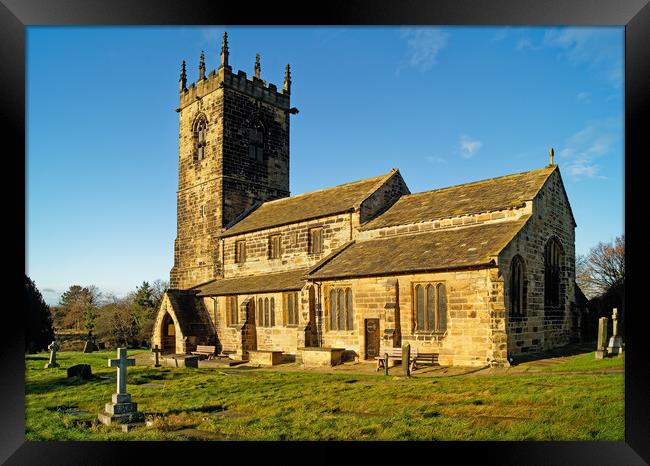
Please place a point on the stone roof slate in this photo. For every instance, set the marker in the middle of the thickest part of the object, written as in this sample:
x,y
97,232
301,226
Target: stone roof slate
x,y
479,196
315,204
475,245
263,283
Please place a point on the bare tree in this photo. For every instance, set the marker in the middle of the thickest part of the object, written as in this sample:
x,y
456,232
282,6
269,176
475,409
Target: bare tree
x,y
602,269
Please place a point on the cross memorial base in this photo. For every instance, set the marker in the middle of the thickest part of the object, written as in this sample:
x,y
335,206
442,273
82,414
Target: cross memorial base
x,y
601,353
121,411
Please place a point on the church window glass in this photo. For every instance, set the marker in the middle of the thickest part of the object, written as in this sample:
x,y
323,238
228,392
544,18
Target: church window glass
x,y
552,257
200,137
315,241
517,287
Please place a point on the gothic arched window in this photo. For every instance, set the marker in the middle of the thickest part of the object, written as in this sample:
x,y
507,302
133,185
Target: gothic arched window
x,y
517,287
430,306
256,141
340,309
200,137
332,301
552,261
441,308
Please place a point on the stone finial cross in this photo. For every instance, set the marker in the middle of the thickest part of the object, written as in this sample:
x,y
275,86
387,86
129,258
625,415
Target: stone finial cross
x,y
156,351
258,68
121,363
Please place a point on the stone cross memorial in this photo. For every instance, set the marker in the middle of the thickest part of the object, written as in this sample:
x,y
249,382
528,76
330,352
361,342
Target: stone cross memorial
x,y
53,347
615,346
601,352
122,410
156,352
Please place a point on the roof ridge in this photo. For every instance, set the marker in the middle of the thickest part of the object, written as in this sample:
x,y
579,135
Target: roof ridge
x,y
486,180
323,189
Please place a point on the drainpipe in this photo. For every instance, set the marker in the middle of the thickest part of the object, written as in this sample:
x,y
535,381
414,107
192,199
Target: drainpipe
x,y
319,315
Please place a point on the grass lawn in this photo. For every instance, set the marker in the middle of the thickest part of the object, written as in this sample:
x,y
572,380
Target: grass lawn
x,y
578,398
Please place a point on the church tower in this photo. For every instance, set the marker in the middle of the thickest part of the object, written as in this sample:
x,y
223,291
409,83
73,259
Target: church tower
x,y
233,155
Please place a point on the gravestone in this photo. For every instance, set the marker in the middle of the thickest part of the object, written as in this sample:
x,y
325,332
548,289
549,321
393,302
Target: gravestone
x,y
121,410
89,347
80,370
601,352
53,347
156,352
615,346
406,360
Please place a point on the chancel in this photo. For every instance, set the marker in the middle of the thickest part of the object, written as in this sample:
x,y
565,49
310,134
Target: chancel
x,y
471,273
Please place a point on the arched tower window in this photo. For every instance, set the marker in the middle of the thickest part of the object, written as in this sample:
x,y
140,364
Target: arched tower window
x,y
256,141
552,268
517,287
200,137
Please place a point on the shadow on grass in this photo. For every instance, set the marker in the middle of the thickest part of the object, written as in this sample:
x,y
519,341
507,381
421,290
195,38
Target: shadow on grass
x,y
572,349
62,383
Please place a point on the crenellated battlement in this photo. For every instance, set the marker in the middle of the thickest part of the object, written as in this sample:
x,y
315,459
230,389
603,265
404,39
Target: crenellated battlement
x,y
253,87
224,77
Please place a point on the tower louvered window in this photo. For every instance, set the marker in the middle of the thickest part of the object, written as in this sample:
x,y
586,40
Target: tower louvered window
x,y
256,141
200,137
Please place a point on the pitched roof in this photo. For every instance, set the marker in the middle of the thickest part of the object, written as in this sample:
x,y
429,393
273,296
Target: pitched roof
x,y
434,250
188,310
315,204
479,196
263,283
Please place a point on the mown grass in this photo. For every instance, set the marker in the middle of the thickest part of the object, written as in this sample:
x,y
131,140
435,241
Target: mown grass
x,y
249,404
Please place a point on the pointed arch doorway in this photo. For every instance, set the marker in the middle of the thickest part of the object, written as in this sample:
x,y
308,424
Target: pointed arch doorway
x,y
168,333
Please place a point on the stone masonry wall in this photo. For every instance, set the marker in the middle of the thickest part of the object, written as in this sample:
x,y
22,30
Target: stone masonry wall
x,y
504,215
281,337
468,340
337,231
212,192
551,218
383,198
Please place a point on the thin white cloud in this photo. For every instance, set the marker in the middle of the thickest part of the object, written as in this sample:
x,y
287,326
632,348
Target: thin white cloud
x,y
435,159
469,147
526,44
599,48
583,149
584,97
501,34
423,45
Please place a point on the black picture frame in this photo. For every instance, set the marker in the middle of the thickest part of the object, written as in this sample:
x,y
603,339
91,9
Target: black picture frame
x,y
15,15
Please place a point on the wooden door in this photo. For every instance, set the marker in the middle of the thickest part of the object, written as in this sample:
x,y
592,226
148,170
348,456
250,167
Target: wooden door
x,y
372,338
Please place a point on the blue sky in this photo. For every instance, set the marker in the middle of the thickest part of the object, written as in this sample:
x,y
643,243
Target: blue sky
x,y
445,105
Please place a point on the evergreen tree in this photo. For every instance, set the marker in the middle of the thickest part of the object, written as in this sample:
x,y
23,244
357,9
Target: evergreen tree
x,y
39,332
78,307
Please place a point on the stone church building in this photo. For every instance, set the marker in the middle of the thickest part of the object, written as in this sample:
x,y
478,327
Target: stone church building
x,y
475,272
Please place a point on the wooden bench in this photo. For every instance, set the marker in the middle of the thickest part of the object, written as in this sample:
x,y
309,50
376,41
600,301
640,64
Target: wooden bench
x,y
204,350
394,354
417,355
